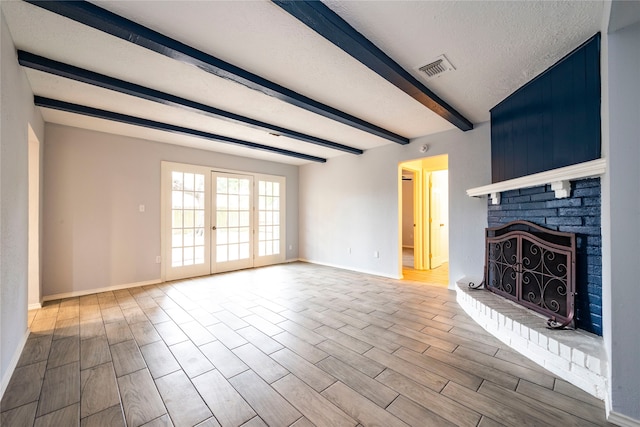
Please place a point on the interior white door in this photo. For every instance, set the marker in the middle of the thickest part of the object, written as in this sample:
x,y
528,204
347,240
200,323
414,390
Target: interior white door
x,y
185,221
439,217
232,223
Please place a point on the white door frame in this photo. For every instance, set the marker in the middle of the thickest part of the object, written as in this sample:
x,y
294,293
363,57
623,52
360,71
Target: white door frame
x,y
422,169
420,208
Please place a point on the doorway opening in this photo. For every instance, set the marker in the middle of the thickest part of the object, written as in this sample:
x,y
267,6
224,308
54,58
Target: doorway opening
x,y
424,224
33,227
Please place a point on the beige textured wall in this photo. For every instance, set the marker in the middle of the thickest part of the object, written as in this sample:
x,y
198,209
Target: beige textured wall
x,y
352,202
94,234
17,112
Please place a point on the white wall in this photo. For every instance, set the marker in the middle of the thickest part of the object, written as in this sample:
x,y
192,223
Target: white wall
x,y
17,112
621,217
352,202
94,234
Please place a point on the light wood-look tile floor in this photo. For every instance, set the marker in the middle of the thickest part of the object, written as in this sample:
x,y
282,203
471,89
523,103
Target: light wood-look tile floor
x,y
436,276
289,345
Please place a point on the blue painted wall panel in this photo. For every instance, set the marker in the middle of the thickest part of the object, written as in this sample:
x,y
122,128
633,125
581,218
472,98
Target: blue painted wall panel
x,y
551,122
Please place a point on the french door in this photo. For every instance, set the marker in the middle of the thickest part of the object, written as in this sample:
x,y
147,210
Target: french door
x,y
185,221
232,224
270,243
216,221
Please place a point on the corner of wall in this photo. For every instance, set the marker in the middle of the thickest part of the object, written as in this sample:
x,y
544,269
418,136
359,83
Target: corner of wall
x,y
620,219
606,205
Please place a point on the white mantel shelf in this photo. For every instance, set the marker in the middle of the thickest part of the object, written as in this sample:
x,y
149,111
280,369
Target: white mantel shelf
x,y
558,178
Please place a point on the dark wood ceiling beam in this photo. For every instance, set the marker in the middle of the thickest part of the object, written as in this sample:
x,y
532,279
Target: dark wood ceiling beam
x,y
118,26
165,127
50,66
331,26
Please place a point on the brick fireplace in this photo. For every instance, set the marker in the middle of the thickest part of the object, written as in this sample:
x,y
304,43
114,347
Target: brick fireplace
x,y
580,214
546,164
568,200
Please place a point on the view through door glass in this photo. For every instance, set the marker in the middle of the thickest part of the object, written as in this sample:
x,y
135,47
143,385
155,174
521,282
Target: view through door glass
x,y
269,218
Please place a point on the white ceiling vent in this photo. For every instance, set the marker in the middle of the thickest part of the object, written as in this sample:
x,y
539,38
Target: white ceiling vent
x,y
437,67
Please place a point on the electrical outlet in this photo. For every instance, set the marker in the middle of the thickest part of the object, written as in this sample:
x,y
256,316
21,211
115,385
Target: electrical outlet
x,y
376,254
290,247
141,208
158,259
349,251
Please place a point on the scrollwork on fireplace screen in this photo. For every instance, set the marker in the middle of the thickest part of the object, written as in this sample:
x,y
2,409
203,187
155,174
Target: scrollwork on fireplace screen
x,y
533,266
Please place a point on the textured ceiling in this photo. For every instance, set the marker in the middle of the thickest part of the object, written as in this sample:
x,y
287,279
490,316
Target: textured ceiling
x,y
496,47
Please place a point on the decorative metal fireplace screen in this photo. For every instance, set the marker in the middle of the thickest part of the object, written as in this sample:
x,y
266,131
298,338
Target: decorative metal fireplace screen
x,y
534,267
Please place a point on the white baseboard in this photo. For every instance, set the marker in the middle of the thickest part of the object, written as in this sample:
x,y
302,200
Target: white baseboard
x,y
622,420
618,418
13,363
113,288
34,306
99,290
343,267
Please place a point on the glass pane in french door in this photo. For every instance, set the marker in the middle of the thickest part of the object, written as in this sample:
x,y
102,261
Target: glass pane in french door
x,y
187,219
232,222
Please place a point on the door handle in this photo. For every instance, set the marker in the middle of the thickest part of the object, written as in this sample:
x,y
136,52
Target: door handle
x,y
441,225
214,228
